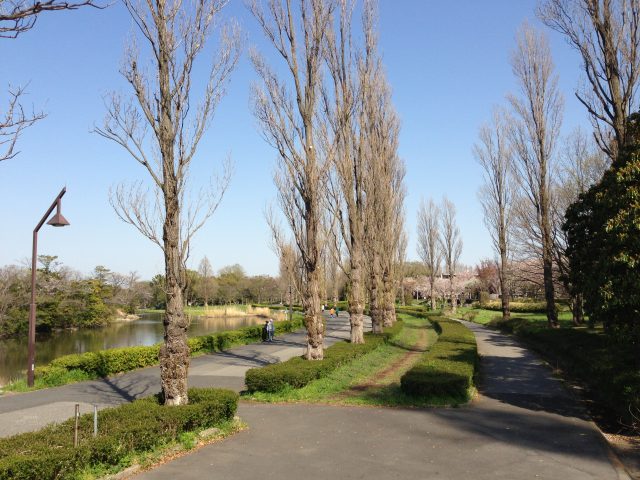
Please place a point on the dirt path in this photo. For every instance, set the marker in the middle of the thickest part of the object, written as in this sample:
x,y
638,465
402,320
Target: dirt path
x,y
391,373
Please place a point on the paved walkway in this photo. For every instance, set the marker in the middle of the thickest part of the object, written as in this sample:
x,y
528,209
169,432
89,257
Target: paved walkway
x,y
30,411
524,425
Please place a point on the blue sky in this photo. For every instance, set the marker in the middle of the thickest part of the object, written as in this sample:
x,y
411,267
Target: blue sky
x,y
447,63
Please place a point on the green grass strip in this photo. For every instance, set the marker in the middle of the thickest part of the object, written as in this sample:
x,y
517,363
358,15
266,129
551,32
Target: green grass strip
x,y
447,369
298,372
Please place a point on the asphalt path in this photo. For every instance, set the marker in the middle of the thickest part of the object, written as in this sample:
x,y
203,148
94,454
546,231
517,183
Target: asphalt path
x,y
522,425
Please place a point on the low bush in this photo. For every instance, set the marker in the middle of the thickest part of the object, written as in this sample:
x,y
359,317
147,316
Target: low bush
x,y
418,311
298,372
470,315
518,307
85,366
447,369
125,430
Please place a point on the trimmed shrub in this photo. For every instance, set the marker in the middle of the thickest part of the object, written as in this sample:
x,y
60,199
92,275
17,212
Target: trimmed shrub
x,y
447,369
518,307
298,372
130,428
470,315
417,311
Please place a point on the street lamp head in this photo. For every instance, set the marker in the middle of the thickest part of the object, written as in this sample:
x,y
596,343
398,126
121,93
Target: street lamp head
x,y
58,221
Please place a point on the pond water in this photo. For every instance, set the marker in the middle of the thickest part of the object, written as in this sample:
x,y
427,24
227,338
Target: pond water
x,y
148,330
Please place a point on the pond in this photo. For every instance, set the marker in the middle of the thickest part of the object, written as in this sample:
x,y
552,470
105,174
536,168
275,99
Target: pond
x,y
145,331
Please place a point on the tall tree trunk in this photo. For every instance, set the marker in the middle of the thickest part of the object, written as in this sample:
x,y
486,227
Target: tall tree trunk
x,y
432,280
356,294
504,286
312,318
174,354
577,309
374,296
388,307
311,297
547,251
454,301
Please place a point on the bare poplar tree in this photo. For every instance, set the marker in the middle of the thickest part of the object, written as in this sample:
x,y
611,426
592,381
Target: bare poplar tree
x,y
351,69
493,152
205,271
16,17
401,260
429,247
289,124
175,33
385,197
392,233
451,245
606,33
535,125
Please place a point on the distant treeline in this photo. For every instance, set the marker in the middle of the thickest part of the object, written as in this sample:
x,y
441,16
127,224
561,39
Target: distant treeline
x,y
66,299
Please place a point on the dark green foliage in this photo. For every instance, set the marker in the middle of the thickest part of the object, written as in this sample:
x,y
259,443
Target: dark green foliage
x,y
297,372
118,360
603,228
447,369
130,428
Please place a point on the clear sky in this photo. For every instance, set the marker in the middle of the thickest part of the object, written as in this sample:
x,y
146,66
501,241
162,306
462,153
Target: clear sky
x,y
447,62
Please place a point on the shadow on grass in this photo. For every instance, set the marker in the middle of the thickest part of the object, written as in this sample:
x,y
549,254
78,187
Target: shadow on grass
x,y
391,395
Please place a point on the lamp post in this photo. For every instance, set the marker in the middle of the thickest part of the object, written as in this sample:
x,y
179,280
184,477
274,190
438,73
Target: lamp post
x,y
56,221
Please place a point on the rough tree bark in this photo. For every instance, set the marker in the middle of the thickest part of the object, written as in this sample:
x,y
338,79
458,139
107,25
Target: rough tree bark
x,y
176,34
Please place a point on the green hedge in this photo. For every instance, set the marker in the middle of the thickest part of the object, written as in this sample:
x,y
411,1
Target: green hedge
x,y
117,360
417,311
518,307
298,372
130,428
447,369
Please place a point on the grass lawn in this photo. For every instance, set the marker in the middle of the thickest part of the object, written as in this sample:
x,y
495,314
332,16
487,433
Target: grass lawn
x,y
373,379
483,316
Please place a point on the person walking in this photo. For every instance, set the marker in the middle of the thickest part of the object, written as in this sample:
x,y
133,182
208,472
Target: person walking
x,y
332,312
270,330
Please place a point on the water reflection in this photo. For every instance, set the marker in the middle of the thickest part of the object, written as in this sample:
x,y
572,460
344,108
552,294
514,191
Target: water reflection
x,y
145,331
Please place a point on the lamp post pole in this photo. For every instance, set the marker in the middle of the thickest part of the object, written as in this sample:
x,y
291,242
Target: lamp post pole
x,y
57,221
